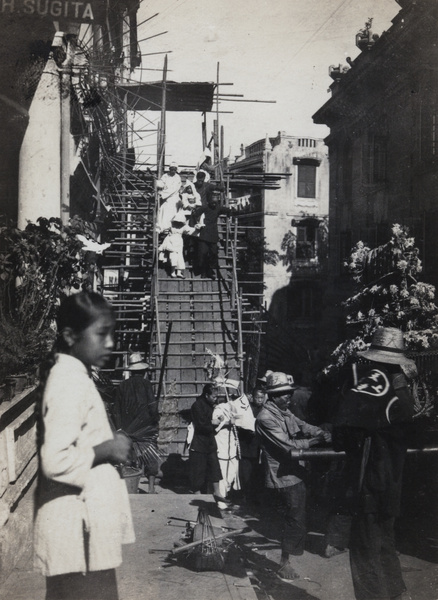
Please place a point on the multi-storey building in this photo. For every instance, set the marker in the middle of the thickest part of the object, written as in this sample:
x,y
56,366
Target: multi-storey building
x,y
285,180
383,142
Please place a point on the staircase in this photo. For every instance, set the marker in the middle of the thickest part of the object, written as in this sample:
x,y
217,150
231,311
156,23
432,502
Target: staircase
x,y
195,318
175,323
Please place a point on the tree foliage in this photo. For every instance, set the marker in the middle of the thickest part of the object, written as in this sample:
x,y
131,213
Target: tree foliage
x,y
39,265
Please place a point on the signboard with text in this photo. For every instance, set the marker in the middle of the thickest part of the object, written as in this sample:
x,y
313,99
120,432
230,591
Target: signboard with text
x,y
68,10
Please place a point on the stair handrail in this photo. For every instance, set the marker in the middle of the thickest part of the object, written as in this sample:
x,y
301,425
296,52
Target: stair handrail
x,y
155,317
236,293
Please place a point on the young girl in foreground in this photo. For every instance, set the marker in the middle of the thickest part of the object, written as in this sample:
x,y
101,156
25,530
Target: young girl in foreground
x,y
82,506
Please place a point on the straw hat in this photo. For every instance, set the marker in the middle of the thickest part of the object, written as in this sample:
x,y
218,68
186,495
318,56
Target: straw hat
x,y
387,346
136,363
179,218
278,383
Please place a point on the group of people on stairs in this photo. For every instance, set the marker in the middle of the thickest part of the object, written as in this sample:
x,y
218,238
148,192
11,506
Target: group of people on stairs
x,y
187,220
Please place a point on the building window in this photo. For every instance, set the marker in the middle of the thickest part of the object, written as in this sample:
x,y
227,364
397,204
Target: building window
x,y
307,181
375,159
306,143
305,245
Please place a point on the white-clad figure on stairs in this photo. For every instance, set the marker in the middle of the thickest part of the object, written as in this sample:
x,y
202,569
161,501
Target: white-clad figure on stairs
x,y
169,186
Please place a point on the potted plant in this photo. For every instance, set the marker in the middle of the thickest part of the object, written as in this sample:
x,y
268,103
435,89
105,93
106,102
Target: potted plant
x,y
38,266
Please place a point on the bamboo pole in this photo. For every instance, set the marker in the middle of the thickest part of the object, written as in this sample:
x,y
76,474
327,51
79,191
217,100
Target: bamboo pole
x,y
324,453
212,538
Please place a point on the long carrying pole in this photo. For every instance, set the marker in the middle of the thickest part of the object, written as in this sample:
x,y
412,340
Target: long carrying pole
x,y
325,453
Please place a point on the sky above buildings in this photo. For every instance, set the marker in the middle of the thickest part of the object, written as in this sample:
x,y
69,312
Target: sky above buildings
x,y
269,50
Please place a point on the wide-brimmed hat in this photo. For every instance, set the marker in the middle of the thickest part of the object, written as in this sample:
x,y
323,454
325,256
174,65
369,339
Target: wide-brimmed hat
x,y
278,383
179,218
387,346
136,363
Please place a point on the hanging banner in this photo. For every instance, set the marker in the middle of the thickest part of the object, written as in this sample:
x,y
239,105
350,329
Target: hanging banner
x,y
240,202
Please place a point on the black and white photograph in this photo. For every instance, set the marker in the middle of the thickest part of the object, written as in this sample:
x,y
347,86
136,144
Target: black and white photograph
x,y
218,300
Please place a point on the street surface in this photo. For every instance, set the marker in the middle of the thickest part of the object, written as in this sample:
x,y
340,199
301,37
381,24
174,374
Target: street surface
x,y
149,572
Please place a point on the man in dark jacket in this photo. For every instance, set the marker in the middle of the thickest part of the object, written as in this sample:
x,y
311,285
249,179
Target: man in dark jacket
x,y
369,426
203,460
207,256
281,433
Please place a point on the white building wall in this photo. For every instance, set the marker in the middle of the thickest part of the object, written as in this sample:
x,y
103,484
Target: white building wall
x,y
283,205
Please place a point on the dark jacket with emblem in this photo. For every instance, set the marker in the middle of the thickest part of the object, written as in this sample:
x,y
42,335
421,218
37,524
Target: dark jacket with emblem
x,y
370,427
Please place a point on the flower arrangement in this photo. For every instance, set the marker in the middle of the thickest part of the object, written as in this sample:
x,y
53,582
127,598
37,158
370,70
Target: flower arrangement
x,y
388,294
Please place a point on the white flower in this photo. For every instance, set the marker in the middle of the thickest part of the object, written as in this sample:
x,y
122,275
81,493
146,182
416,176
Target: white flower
x,y
402,265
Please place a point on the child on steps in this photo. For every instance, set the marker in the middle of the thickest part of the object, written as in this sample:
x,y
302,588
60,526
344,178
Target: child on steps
x,y
173,245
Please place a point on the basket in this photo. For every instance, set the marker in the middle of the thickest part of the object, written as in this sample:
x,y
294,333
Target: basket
x,y
207,556
131,475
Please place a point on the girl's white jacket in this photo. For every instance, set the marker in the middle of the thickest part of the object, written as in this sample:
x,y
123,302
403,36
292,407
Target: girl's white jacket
x,y
74,499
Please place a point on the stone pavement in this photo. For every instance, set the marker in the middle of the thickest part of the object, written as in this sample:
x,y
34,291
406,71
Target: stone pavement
x,y
149,572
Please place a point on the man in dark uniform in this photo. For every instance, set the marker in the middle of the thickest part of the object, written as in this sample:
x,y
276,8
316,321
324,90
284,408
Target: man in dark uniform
x,y
370,426
203,460
207,257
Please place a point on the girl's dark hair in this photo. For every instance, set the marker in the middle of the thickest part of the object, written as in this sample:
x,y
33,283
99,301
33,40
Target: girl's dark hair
x,y
77,311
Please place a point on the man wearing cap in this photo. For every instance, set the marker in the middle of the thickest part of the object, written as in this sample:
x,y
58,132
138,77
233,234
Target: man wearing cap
x,y
136,408
280,433
369,426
